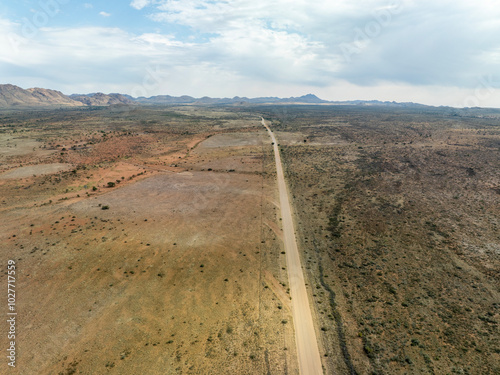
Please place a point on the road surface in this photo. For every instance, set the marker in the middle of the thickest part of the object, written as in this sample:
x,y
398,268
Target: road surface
x,y
305,335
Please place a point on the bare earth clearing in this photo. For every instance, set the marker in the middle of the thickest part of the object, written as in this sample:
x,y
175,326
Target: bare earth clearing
x,y
34,170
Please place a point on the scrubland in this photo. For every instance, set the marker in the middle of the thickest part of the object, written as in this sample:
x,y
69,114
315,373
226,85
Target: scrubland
x,y
148,239
397,213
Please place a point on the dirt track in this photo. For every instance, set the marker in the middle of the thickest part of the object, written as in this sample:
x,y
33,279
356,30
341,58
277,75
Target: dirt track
x,y
305,336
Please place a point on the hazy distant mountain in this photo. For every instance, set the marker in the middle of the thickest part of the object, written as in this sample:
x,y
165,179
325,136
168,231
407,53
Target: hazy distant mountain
x,y
167,99
14,96
309,98
100,99
379,103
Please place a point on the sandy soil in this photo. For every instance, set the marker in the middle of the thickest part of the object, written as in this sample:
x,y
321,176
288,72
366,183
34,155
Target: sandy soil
x,y
35,170
234,139
16,146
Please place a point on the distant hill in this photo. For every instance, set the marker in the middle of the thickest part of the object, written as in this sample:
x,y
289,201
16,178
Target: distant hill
x,y
100,99
309,99
14,96
368,103
167,99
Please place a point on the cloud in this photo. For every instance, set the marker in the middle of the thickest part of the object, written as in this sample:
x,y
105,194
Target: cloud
x,y
362,42
140,4
104,14
89,59
436,45
88,6
366,49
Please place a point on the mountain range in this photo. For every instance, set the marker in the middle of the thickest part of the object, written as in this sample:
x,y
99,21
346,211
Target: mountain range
x,y
12,96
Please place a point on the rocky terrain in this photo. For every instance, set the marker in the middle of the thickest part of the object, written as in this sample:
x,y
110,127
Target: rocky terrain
x,y
100,99
14,96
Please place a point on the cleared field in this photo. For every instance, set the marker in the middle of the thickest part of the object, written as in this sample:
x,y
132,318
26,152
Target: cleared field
x,y
34,170
234,139
16,146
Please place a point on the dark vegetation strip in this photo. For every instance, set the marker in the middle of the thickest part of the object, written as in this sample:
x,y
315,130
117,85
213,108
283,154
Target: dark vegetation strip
x,y
334,228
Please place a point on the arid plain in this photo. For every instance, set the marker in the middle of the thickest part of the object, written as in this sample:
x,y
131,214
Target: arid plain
x,y
145,242
148,240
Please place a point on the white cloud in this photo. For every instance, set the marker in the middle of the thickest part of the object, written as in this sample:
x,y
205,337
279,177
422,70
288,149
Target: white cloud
x,y
426,51
104,14
363,42
88,6
139,4
10,41
92,59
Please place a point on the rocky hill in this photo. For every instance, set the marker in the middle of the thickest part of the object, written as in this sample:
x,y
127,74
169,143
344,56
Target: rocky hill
x,y
100,99
14,96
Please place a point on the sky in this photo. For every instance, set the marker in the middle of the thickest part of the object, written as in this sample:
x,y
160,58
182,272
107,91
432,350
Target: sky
x,y
431,52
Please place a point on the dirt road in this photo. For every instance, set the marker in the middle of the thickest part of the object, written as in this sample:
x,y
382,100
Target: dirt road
x,y
305,336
